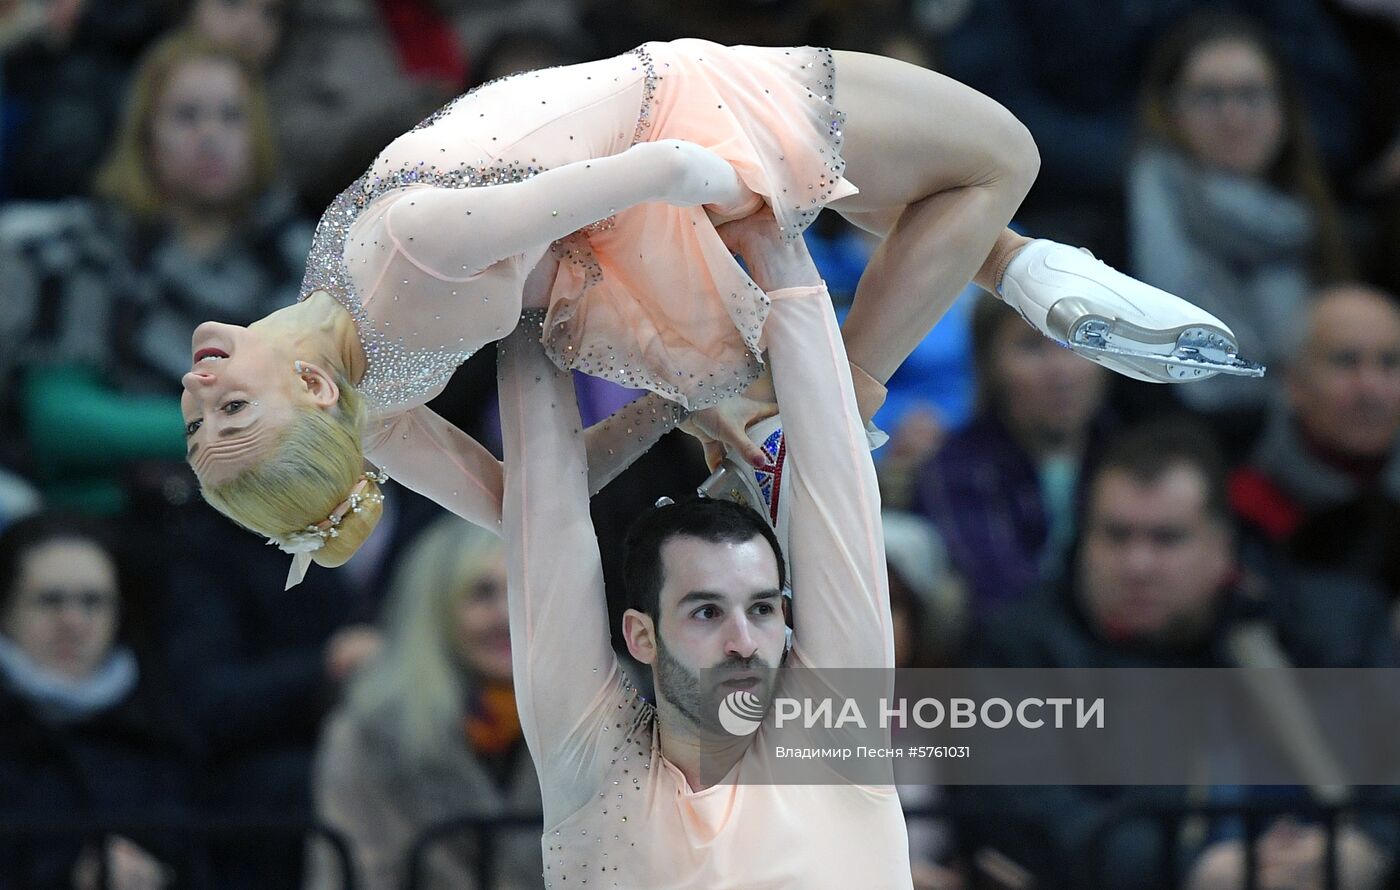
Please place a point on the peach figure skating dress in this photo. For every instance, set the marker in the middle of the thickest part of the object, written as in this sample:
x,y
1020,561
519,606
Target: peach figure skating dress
x,y
425,254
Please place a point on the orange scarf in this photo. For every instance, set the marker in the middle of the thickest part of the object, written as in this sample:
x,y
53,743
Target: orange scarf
x,y
493,724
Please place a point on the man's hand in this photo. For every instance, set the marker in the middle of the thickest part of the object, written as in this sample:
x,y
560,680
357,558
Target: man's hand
x,y
773,262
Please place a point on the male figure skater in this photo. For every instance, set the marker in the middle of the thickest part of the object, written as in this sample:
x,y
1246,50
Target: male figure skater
x,y
626,800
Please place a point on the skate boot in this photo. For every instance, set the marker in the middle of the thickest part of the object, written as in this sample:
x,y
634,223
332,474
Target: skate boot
x,y
760,488
1117,321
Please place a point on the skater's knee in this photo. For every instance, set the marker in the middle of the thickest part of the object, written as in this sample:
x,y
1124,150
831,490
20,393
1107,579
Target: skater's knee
x,y
1015,157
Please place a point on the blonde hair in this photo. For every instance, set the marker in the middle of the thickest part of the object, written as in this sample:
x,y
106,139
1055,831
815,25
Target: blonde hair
x,y
418,681
313,465
126,176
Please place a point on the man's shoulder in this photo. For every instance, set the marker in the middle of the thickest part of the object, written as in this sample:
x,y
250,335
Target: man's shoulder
x,y
1040,630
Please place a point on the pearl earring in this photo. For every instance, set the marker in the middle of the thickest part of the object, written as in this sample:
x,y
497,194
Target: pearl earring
x,y
297,365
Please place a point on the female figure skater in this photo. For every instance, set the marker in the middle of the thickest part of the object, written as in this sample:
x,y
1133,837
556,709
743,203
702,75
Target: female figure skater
x,y
594,191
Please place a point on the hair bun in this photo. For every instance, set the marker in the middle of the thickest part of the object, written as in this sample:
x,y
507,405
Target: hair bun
x,y
354,529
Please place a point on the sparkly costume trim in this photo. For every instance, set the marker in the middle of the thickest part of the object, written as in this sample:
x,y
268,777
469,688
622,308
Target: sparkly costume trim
x,y
820,81
395,372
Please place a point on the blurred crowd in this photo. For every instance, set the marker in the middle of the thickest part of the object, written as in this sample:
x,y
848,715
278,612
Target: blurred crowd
x,y
163,162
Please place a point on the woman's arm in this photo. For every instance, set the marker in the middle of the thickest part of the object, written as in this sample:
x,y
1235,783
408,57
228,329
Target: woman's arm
x,y
453,233
429,455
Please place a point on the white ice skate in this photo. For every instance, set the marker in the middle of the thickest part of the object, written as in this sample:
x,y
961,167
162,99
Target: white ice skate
x,y
1117,321
761,489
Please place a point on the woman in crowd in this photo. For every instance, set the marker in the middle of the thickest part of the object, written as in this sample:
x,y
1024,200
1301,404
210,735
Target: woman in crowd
x,y
430,731
187,221
1228,200
87,735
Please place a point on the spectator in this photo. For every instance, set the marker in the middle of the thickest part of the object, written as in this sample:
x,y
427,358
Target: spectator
x,y
1324,482
1228,202
65,64
927,601
17,497
1069,72
519,49
1003,491
330,125
430,730
1159,582
187,226
928,612
252,27
257,669
87,734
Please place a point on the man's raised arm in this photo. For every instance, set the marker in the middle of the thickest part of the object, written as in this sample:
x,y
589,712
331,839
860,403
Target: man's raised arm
x,y
563,661
841,608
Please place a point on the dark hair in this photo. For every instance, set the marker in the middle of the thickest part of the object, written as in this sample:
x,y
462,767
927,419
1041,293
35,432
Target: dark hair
x,y
29,534
555,46
989,316
1151,450
1298,169
710,519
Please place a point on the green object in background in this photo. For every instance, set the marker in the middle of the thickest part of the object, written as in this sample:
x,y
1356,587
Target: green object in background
x,y
82,434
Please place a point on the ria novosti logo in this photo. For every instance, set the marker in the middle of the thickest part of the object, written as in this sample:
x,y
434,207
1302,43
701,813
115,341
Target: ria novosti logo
x,y
741,712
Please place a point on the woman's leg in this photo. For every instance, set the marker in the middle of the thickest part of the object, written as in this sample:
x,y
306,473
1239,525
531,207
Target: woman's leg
x,y
941,170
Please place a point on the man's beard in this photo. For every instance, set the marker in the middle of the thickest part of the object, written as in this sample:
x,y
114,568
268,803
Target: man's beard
x,y
681,687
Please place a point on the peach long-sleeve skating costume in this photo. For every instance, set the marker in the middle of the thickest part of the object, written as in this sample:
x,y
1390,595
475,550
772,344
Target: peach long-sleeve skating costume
x,y
431,249
617,812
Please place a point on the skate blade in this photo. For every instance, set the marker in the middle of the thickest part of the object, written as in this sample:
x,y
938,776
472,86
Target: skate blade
x,y
732,481
1194,352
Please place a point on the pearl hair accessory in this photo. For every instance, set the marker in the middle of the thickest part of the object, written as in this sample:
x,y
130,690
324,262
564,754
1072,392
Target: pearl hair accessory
x,y
306,541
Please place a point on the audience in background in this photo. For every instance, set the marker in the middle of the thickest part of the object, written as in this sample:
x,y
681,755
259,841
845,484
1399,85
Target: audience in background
x,y
193,214
330,125
188,225
519,49
252,27
927,599
1159,581
1071,71
1324,482
64,66
1228,201
87,732
258,668
429,731
928,609
1004,490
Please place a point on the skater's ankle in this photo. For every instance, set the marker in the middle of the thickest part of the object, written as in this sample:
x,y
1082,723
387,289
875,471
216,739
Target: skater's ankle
x,y
993,269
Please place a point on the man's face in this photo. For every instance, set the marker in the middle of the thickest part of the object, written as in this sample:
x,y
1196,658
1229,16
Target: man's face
x,y
1345,386
1047,393
721,625
1154,559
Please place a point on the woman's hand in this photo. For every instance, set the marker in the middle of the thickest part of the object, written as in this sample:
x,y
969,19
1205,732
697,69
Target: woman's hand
x,y
723,426
703,177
